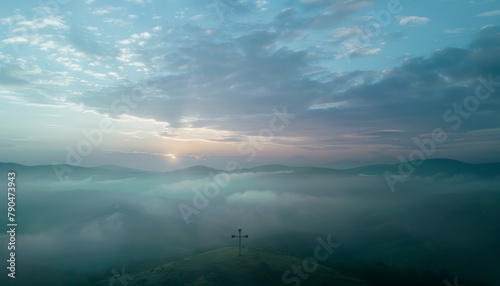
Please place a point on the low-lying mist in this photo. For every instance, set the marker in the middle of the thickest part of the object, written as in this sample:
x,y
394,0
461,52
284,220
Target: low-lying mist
x,y
103,220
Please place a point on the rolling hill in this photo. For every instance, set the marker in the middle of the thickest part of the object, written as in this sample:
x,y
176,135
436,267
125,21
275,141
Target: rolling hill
x,y
223,266
434,167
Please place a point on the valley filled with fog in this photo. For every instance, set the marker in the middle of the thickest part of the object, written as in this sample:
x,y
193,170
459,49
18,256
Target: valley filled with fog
x,y
104,218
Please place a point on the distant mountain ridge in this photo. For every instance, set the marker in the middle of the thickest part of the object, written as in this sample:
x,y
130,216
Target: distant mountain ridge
x,y
429,167
433,167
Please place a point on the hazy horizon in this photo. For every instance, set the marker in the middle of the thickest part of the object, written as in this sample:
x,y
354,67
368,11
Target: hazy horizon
x,y
222,164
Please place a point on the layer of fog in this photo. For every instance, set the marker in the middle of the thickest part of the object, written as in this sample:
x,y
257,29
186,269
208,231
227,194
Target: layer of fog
x,y
93,223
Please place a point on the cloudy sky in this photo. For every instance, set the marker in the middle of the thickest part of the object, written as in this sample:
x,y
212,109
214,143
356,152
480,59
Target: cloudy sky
x,y
157,84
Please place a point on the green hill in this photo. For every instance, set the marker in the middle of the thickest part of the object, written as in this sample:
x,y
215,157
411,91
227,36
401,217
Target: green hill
x,y
223,266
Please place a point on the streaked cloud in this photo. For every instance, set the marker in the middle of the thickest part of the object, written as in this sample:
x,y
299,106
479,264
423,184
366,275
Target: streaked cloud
x,y
413,20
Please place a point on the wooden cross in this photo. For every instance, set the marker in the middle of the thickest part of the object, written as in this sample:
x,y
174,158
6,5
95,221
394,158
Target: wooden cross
x,y
239,237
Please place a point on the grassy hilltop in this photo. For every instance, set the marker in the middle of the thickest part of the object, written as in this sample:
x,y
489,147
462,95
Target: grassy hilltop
x,y
223,266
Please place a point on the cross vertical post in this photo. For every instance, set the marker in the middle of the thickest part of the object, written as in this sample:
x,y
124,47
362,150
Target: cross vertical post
x,y
239,236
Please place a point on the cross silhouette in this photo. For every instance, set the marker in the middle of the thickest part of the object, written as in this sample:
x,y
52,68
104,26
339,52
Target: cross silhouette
x,y
239,236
